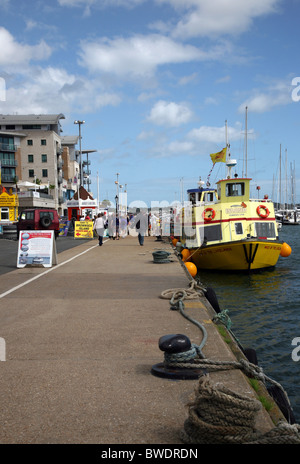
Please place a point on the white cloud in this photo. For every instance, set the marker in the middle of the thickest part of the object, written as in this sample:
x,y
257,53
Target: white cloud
x,y
45,90
136,56
100,3
277,94
169,114
180,147
187,79
214,18
215,134
17,54
139,56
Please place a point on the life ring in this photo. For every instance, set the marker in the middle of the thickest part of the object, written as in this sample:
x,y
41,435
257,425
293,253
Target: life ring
x,y
211,216
263,214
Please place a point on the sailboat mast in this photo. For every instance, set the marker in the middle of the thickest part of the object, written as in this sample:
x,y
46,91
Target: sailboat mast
x,y
280,178
246,140
286,181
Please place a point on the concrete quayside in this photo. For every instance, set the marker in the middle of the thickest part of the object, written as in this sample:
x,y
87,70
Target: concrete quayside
x,y
82,342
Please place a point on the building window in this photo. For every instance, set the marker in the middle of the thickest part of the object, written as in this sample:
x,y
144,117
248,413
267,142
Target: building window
x,y
31,126
44,158
30,158
10,127
29,142
7,159
4,216
31,172
45,172
43,142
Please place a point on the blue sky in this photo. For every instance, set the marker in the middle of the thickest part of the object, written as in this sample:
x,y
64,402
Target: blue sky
x,y
155,82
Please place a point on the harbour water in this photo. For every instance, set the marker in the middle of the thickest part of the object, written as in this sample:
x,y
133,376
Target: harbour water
x,y
264,309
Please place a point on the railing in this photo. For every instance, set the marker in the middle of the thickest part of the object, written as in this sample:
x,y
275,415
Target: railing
x,y
8,178
8,147
33,194
8,162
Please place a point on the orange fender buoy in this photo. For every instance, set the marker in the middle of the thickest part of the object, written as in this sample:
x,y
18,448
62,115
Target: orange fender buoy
x,y
174,241
185,253
285,250
191,268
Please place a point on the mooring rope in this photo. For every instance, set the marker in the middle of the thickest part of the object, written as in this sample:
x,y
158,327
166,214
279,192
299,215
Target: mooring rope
x,y
161,256
195,290
176,297
229,423
220,416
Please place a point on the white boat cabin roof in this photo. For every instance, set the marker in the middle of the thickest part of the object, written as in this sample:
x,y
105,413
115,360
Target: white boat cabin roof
x,y
236,187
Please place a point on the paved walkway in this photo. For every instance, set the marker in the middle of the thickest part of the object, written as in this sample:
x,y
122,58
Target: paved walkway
x,y
81,338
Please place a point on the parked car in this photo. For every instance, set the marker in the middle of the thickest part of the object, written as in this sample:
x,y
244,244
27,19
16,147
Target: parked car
x,y
39,219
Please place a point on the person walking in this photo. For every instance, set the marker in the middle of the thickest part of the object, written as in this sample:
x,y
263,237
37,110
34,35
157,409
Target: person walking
x,y
141,224
99,227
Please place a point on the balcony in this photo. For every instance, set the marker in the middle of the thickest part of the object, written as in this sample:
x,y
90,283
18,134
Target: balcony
x,y
9,162
9,178
8,147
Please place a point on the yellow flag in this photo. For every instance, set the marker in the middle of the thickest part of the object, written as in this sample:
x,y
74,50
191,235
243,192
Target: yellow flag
x,y
219,157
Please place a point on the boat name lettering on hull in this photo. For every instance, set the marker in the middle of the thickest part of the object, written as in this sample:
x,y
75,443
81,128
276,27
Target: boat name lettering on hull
x,y
272,247
219,250
235,210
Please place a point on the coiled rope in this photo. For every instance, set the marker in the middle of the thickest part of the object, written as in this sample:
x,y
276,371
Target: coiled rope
x,y
161,256
220,416
176,297
228,420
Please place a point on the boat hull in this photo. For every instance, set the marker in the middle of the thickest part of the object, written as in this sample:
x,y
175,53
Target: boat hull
x,y
243,255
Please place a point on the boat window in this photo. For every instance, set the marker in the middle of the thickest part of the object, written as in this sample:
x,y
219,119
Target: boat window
x,y
209,196
265,229
193,198
238,228
210,233
235,189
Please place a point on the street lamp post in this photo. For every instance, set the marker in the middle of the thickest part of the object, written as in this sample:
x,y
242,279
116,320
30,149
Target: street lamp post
x,y
80,152
117,219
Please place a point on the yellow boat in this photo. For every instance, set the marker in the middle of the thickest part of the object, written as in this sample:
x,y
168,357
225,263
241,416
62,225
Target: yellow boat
x,y
224,229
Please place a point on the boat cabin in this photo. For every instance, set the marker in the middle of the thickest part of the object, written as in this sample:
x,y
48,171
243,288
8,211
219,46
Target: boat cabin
x,y
206,195
233,189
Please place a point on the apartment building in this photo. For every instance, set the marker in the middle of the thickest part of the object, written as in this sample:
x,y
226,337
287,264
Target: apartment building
x,y
31,150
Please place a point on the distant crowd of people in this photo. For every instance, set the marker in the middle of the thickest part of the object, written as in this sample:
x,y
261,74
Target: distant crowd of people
x,y
116,226
120,226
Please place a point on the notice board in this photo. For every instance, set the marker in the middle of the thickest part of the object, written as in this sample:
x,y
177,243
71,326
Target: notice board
x,y
36,248
83,229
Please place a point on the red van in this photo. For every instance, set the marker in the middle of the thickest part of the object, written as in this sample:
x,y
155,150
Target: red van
x,y
39,219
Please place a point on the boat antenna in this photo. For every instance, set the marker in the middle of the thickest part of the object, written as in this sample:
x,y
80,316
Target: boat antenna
x,y
246,142
230,163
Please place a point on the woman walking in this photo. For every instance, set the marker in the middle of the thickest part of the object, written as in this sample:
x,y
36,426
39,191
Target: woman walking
x,y
99,227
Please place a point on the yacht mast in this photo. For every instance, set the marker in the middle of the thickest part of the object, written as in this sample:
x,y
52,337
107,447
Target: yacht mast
x,y
246,140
